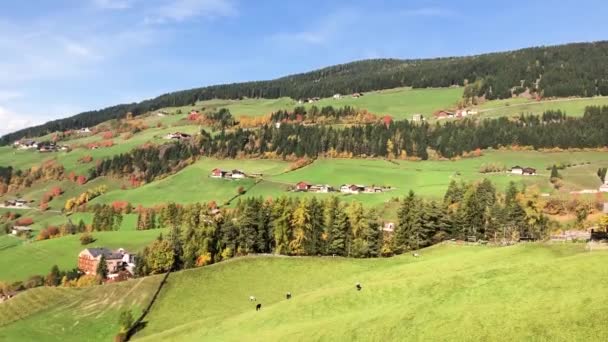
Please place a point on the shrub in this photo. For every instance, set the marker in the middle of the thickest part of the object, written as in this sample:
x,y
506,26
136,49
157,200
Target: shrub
x,y
86,239
107,135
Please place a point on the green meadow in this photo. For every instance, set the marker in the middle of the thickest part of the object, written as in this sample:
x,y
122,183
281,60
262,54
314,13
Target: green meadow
x,y
20,261
455,293
401,103
70,314
513,107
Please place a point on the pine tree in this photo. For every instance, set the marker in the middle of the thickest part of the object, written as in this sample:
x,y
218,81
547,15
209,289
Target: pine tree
x,y
102,268
338,232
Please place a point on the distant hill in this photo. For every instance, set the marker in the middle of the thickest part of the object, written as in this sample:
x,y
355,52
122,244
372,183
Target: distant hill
x,y
565,70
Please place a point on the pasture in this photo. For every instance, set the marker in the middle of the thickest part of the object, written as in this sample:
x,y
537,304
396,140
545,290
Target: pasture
x,y
450,293
400,103
71,314
20,261
514,107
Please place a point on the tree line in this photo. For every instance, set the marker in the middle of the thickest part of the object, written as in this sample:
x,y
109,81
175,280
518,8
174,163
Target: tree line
x,y
398,139
310,226
564,70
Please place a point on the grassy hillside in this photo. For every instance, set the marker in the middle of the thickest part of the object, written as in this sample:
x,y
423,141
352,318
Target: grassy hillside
x,y
66,314
20,261
514,107
401,103
450,293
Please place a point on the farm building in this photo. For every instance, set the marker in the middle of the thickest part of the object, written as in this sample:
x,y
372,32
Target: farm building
x,y
84,130
237,174
443,114
18,202
18,230
418,117
372,189
525,171
217,173
177,136
352,188
234,174
117,260
321,188
337,96
302,186
357,95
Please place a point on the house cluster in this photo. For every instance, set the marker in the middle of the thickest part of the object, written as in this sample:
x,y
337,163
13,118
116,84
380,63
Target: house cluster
x,y
117,261
459,114
234,174
345,188
20,230
16,203
524,171
320,188
177,136
28,144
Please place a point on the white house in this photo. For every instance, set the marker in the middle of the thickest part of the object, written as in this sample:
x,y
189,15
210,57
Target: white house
x,y
388,227
20,229
237,174
351,188
518,170
321,188
418,117
337,96
83,130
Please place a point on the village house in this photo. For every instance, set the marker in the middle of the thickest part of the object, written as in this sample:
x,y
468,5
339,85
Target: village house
x,y
19,203
116,261
177,136
83,130
352,188
372,189
443,114
26,144
237,174
525,171
234,174
20,230
337,96
357,95
302,186
418,117
217,173
321,188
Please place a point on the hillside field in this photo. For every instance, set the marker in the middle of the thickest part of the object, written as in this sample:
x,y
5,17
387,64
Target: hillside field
x,y
19,261
523,292
400,103
69,314
574,107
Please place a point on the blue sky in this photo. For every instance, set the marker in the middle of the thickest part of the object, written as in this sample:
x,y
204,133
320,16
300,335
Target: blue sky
x,y
61,57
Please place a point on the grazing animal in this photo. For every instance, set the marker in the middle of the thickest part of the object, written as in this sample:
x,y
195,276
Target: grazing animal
x,y
258,307
288,295
416,255
358,286
252,299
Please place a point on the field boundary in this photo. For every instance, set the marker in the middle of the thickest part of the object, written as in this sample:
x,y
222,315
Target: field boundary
x,y
136,326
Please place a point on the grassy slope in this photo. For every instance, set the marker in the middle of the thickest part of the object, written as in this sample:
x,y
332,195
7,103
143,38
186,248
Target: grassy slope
x,y
401,103
451,293
193,184
65,314
24,260
513,107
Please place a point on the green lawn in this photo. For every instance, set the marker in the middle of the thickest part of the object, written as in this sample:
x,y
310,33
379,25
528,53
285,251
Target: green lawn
x,y
401,103
193,184
455,293
68,314
24,260
514,107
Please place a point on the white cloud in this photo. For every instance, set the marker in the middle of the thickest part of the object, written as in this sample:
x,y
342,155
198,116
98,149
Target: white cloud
x,y
182,10
12,121
113,4
428,12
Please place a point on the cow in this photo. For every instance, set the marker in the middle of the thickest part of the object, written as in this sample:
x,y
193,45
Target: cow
x,y
258,307
358,286
288,295
252,299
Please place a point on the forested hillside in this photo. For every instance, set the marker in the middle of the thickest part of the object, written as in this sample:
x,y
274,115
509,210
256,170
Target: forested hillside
x,y
565,70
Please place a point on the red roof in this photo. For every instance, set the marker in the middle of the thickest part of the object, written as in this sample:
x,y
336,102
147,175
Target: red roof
x,y
302,185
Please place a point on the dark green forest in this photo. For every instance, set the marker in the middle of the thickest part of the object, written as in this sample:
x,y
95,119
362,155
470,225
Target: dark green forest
x,y
552,129
565,70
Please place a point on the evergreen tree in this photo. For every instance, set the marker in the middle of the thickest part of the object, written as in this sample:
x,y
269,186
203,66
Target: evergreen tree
x,y
102,268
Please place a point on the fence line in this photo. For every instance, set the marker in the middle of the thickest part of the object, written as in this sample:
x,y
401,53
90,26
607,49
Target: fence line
x,y
136,325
